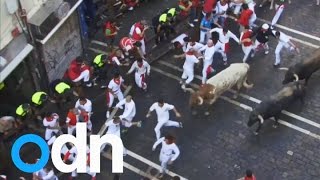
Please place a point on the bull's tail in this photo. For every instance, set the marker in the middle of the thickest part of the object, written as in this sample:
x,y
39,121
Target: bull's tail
x,y
246,85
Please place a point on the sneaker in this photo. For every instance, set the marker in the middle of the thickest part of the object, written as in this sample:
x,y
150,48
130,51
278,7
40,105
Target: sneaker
x,y
183,86
180,125
89,85
225,63
123,131
196,20
103,87
261,5
107,114
266,52
139,124
130,9
191,25
181,82
252,54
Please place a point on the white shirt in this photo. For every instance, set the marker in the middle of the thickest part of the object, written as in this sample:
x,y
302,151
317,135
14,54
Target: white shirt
x,y
51,123
208,52
162,112
283,37
167,149
222,8
197,46
114,86
181,41
131,30
225,38
86,107
129,108
145,68
190,61
113,128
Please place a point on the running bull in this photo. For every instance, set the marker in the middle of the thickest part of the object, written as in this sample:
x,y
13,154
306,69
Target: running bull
x,y
235,74
303,70
276,103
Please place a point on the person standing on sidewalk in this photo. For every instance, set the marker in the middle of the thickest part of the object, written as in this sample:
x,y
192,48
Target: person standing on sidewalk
x,y
110,31
185,8
162,109
168,154
283,41
137,33
193,17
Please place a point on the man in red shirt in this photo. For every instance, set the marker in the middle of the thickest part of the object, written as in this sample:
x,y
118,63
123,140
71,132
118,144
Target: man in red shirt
x,y
246,42
110,31
137,33
74,69
209,6
244,17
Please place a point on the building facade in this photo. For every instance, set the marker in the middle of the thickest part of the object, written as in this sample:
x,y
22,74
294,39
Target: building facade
x,y
38,40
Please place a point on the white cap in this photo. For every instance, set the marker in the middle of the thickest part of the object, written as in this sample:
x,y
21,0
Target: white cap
x,y
265,26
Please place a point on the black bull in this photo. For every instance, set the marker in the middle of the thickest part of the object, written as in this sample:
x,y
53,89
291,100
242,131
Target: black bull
x,y
303,70
276,103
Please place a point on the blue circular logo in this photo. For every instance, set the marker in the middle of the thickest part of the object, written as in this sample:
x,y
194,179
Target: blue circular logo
x,y
15,153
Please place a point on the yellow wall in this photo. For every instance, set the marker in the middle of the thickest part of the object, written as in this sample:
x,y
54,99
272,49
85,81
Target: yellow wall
x,y
8,22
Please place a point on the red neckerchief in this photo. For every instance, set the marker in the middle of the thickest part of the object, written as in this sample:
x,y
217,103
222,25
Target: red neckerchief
x,y
49,119
140,65
117,81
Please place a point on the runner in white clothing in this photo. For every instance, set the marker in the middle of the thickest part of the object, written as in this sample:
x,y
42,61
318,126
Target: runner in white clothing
x,y
114,91
162,109
283,41
209,51
181,42
128,113
169,152
188,68
142,69
224,38
191,44
51,122
114,128
85,105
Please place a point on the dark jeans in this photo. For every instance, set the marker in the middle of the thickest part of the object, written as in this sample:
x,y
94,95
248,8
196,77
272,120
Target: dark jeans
x,y
100,72
193,14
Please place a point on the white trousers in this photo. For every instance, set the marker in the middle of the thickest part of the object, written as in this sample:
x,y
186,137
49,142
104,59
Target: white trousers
x,y
253,17
85,76
71,129
49,132
246,50
164,123
279,47
203,37
164,159
110,99
128,120
188,74
140,80
206,65
143,47
89,125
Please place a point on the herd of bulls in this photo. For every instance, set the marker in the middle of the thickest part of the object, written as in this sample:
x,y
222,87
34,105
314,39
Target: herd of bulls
x,y
236,75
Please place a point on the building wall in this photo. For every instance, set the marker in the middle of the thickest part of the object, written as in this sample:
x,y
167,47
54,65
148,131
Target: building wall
x,y
64,46
9,22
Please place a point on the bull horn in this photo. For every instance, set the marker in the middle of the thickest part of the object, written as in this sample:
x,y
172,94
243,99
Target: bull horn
x,y
284,69
296,77
261,119
201,100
